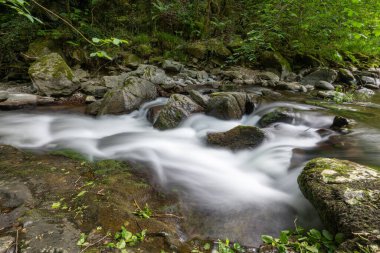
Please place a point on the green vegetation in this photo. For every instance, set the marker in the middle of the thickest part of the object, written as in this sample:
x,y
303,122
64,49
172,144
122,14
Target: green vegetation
x,y
313,241
227,247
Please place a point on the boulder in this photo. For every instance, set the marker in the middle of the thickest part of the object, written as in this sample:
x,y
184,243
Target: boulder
x,y
240,137
346,76
91,88
370,82
172,66
279,115
340,122
323,85
152,73
127,98
114,81
4,95
131,60
347,198
199,98
51,76
274,60
178,108
292,86
323,74
230,105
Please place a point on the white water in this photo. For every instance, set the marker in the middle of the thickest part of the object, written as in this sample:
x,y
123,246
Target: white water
x,y
211,177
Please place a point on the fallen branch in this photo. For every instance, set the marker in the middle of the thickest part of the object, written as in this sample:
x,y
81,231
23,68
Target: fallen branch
x,y
92,244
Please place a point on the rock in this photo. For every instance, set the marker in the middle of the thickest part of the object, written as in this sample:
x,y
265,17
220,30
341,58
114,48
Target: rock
x,y
153,113
230,105
217,48
81,75
3,96
346,196
279,115
197,49
365,92
21,100
240,137
268,76
340,122
90,99
199,98
293,86
346,76
370,82
51,76
114,81
152,73
41,47
178,108
93,108
323,74
128,97
323,85
131,60
172,66
6,243
330,94
274,60
90,88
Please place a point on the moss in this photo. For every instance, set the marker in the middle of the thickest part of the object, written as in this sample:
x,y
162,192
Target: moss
x,y
69,153
52,64
197,49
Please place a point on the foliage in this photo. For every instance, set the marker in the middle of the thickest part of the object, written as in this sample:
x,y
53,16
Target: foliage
x,y
313,241
126,238
144,213
227,247
20,6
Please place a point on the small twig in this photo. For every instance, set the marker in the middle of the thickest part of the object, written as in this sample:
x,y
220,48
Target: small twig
x,y
92,244
75,184
100,192
137,205
29,57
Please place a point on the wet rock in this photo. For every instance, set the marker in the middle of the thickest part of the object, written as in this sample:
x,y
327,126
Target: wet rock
x,y
240,137
94,108
323,74
51,76
323,85
274,60
3,96
346,196
199,98
153,113
370,82
21,100
91,88
346,76
293,86
6,244
178,108
172,66
129,97
365,92
340,122
279,115
230,105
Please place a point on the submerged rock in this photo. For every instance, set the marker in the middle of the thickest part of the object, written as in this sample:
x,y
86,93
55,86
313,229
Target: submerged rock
x,y
346,196
178,108
240,137
128,97
51,76
279,115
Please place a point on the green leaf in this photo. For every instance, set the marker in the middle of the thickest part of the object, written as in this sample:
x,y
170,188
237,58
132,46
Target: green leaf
x,y
312,249
207,246
121,244
56,205
95,40
327,235
339,238
82,193
116,41
267,239
315,233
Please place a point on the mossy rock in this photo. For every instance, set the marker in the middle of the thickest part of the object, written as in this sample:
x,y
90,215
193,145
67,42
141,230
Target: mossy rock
x,y
197,49
274,60
217,48
240,137
52,76
346,196
280,115
41,47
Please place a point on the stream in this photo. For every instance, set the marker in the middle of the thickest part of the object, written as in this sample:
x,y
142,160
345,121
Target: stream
x,y
239,195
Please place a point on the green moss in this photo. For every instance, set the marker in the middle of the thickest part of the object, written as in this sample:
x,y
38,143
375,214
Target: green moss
x,y
69,153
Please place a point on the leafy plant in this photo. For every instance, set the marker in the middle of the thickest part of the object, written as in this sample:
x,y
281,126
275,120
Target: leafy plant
x,y
341,96
313,241
227,247
126,238
20,6
144,213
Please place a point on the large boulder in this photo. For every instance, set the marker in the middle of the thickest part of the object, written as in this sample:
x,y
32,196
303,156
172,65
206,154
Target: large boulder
x,y
178,108
370,82
240,137
323,74
231,105
51,76
274,60
346,76
127,98
283,115
346,196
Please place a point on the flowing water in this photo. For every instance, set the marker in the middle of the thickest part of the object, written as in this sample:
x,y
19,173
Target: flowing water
x,y
239,195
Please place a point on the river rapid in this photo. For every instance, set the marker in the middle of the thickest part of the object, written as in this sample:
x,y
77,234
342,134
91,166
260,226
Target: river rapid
x,y
239,195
